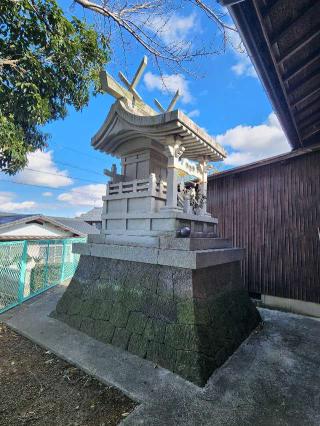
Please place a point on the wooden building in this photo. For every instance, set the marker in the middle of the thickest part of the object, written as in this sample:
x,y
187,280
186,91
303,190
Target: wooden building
x,y
272,207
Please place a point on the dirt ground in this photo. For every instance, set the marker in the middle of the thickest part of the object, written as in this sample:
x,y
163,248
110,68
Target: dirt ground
x,y
38,388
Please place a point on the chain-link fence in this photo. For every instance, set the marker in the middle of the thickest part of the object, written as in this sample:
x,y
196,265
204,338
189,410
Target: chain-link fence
x,y
28,268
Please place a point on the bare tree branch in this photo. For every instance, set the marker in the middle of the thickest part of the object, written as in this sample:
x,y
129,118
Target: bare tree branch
x,y
149,23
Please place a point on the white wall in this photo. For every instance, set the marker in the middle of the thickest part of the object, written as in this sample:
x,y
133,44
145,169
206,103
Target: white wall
x,y
34,229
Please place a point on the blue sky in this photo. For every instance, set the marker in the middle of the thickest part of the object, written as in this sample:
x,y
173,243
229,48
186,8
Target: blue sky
x,y
228,101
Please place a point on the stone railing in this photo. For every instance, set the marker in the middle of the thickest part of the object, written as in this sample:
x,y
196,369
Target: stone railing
x,y
149,186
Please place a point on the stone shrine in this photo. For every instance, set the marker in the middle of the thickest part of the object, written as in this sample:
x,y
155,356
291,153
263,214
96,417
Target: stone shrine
x,y
158,281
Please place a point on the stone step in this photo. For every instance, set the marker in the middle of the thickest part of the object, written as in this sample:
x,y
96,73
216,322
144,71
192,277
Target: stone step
x,y
173,243
126,240
190,259
168,242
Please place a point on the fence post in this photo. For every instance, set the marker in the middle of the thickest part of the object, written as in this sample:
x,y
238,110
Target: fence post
x,y
63,258
23,268
47,266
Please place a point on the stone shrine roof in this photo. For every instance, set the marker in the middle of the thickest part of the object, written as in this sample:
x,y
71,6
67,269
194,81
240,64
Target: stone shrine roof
x,y
123,125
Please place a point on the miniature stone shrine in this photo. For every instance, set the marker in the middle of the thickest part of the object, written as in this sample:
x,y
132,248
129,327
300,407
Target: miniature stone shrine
x,y
157,281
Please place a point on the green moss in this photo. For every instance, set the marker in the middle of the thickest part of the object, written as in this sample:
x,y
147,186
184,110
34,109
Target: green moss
x,y
87,326
136,322
75,306
103,330
138,345
185,312
119,315
155,330
102,310
191,336
121,338
193,366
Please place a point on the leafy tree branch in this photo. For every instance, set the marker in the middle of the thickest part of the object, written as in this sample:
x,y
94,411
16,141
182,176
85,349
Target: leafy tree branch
x,y
47,64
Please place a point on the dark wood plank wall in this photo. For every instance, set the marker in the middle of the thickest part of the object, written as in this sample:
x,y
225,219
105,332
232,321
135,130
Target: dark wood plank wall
x,y
274,212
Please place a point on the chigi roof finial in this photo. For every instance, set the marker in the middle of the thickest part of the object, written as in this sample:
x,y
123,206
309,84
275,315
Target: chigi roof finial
x,y
129,93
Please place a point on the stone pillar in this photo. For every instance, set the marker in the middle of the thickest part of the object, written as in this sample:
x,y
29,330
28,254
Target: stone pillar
x,y
173,152
152,193
204,182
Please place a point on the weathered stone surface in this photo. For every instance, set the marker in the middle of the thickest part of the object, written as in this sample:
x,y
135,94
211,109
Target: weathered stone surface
x,y
102,310
103,330
119,315
137,322
121,338
189,321
193,259
138,345
174,243
87,325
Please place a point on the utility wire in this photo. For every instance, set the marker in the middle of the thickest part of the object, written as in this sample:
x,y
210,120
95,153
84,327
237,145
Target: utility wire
x,y
38,186
79,168
60,175
79,152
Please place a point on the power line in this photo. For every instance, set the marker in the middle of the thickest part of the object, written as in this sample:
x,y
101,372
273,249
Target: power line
x,y
59,174
79,152
79,168
39,186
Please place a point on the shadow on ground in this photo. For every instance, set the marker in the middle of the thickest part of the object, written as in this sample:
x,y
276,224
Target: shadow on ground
x,y
272,379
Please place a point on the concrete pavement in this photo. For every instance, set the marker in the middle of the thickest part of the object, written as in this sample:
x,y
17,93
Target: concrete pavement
x,y
272,379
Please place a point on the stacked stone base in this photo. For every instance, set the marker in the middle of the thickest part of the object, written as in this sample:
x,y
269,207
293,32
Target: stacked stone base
x,y
188,321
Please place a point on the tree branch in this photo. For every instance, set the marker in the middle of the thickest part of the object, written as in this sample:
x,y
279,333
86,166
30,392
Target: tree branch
x,y
151,31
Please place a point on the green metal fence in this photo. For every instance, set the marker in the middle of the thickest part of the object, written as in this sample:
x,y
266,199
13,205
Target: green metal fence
x,y
28,268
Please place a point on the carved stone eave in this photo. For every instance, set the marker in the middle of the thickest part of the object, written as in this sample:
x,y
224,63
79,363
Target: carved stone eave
x,y
123,124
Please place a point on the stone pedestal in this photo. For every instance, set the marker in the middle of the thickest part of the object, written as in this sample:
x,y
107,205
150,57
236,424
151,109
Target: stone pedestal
x,y
187,319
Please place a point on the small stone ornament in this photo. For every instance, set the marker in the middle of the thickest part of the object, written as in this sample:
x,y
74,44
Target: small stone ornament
x,y
184,232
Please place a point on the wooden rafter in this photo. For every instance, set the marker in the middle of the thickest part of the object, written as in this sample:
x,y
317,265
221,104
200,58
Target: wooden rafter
x,y
277,67
308,38
288,26
302,66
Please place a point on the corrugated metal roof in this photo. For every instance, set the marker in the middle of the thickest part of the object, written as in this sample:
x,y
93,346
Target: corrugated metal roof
x,y
12,218
78,225
75,226
31,238
93,215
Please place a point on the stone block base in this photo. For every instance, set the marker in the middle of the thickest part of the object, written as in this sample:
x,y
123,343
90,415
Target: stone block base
x,y
188,321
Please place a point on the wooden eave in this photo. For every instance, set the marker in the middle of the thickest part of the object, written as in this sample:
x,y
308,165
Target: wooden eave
x,y
282,38
123,124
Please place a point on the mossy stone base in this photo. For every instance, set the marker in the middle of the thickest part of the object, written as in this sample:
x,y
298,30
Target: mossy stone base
x,y
189,321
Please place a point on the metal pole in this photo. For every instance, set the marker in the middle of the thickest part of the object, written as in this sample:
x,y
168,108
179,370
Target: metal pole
x,y
23,268
63,260
46,269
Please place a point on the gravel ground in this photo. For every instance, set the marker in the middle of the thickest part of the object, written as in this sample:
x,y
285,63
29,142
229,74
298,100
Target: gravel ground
x,y
38,388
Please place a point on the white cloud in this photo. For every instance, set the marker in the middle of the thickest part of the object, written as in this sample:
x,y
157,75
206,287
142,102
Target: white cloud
x,y
243,65
47,194
47,173
169,83
8,204
174,29
194,113
86,195
252,143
